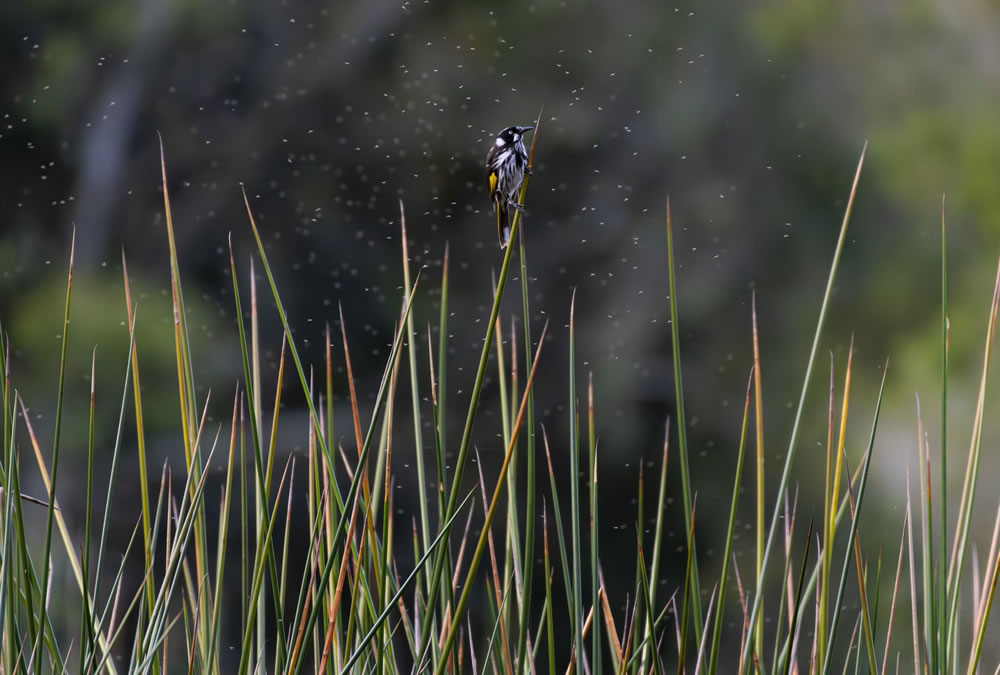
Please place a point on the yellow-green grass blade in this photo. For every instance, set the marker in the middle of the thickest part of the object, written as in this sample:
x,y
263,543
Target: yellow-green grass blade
x,y
689,589
86,618
512,563
929,610
113,473
686,496
438,411
222,540
759,429
529,464
730,530
855,521
834,491
253,385
829,500
11,523
793,441
411,352
866,614
383,570
442,378
549,629
560,533
912,573
186,390
57,433
576,549
654,569
942,584
500,596
140,432
278,663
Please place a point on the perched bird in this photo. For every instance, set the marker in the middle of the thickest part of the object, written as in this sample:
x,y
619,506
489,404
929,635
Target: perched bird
x,y
507,162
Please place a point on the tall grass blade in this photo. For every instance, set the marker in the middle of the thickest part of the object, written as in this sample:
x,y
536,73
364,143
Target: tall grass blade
x,y
730,530
969,485
530,467
942,582
411,351
576,581
686,494
759,429
793,441
654,570
50,516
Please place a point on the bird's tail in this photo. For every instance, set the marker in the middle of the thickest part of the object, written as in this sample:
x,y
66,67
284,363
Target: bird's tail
x,y
503,222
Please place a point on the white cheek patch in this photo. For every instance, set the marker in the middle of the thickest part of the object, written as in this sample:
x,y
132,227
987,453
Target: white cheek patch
x,y
500,142
517,137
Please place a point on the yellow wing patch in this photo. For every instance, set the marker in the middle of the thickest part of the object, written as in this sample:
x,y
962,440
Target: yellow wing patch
x,y
494,178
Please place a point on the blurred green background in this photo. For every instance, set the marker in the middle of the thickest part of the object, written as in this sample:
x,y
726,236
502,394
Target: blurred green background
x,y
750,115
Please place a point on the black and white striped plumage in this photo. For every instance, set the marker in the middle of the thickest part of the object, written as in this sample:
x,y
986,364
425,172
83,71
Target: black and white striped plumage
x,y
507,162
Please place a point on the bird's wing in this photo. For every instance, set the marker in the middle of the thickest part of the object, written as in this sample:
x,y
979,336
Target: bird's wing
x,y
494,179
491,155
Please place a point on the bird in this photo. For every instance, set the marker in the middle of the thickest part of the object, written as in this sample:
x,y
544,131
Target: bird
x,y
507,162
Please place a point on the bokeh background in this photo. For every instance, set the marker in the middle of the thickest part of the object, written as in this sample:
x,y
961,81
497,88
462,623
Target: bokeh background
x,y
752,116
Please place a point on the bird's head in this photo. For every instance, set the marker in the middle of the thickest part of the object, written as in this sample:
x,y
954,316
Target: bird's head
x,y
511,135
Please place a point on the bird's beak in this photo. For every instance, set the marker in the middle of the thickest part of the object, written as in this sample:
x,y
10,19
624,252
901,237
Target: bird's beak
x,y
523,129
